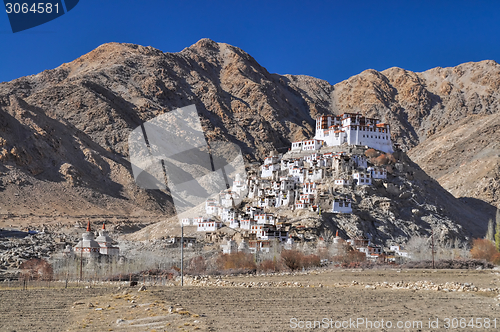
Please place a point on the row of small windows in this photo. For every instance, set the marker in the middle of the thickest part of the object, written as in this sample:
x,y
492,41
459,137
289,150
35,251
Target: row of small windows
x,y
379,137
380,130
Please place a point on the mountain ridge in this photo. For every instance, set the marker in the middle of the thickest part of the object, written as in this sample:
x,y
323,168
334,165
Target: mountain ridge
x,y
89,106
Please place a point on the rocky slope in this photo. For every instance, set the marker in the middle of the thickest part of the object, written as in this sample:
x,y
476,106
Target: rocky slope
x,y
63,132
446,117
406,204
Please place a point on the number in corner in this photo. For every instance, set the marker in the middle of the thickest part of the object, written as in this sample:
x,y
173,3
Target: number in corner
x,y
40,8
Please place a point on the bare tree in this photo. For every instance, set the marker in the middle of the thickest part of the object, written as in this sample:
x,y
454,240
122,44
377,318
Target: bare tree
x,y
419,248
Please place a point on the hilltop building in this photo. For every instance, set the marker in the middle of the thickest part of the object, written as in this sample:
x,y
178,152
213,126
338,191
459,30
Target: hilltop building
x,y
309,177
353,129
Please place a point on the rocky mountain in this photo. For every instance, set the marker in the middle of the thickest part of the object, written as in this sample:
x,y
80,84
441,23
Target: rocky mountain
x,y
446,117
63,132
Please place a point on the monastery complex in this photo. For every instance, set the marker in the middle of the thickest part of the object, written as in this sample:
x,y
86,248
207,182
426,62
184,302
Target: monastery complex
x,y
310,176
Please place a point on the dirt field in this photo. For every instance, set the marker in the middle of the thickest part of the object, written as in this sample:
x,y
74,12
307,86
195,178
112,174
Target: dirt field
x,y
191,308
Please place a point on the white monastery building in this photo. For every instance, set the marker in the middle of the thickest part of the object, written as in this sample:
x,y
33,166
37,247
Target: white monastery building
x,y
353,129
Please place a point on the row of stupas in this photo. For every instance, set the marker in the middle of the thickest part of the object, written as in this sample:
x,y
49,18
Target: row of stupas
x,y
101,245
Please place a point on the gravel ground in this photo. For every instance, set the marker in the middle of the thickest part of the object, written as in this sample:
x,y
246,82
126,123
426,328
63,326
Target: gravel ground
x,y
346,297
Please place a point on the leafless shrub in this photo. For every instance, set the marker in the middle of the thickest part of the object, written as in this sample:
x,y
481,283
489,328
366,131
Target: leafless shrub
x,y
273,265
380,160
311,261
351,258
485,249
391,158
36,269
324,253
197,265
371,153
292,259
236,261
295,260
419,248
449,264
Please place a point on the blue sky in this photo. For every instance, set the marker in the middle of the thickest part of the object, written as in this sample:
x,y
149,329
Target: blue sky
x,y
331,40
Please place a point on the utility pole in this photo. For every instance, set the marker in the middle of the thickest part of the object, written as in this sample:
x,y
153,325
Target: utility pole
x,y
81,262
182,254
432,237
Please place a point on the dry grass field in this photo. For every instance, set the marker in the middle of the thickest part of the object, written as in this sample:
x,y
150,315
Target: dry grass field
x,y
327,298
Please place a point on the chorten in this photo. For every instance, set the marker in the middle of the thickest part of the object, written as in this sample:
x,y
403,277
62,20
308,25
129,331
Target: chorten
x,y
337,239
87,246
106,243
289,243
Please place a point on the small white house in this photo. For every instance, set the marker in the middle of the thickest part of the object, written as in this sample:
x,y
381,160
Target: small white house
x,y
265,218
342,182
285,198
307,145
209,226
187,222
309,188
212,207
229,247
371,251
306,198
271,233
267,170
271,160
227,199
398,250
313,175
300,206
268,201
378,172
240,186
362,179
361,161
341,205
246,224
228,214
297,174
198,220
256,229
252,211
234,223
286,184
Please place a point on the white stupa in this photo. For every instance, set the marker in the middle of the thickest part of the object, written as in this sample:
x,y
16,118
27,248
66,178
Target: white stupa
x,y
87,246
106,243
243,246
289,243
337,239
